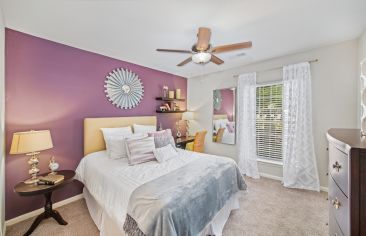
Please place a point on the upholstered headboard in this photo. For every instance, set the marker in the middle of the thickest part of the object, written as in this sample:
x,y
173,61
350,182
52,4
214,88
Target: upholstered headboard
x,y
220,116
93,136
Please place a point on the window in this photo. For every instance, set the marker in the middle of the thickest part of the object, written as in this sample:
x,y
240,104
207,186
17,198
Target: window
x,y
269,121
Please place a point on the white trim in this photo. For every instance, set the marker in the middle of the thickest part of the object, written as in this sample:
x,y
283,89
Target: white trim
x,y
273,162
325,189
39,211
279,178
270,83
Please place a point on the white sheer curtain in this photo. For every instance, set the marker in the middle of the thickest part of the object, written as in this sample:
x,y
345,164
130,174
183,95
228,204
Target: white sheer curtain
x,y
247,154
299,163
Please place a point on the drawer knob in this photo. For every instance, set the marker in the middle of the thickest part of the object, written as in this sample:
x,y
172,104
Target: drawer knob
x,y
337,166
336,203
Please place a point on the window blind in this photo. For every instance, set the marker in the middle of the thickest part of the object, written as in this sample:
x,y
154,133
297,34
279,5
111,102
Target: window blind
x,y
269,121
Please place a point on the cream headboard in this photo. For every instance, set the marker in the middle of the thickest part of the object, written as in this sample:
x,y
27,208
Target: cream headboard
x,y
93,136
220,116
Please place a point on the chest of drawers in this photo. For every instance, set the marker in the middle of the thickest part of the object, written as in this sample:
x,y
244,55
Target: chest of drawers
x,y
347,182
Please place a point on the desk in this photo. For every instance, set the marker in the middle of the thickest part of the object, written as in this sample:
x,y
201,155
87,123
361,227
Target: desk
x,y
182,141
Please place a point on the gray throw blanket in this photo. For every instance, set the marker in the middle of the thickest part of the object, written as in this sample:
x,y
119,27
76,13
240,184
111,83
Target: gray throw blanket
x,y
184,201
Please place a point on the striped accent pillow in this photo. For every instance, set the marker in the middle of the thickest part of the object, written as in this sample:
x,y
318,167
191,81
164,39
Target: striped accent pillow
x,y
140,150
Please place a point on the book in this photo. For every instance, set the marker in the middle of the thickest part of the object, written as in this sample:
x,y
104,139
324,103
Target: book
x,y
51,179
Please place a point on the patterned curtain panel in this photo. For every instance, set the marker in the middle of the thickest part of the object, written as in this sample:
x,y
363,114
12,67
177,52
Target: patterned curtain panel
x,y
299,163
247,154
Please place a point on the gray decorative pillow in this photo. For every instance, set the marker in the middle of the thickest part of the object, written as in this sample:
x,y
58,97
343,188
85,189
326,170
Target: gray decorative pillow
x,y
162,138
140,150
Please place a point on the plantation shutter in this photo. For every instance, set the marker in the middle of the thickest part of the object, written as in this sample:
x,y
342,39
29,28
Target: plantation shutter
x,y
269,121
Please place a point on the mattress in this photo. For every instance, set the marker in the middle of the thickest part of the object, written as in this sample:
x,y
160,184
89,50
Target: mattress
x,y
111,182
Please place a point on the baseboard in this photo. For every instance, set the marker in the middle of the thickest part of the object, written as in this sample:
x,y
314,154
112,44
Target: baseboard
x,y
324,189
279,178
39,211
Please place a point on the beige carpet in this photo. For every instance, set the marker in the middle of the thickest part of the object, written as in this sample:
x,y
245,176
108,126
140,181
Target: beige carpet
x,y
266,208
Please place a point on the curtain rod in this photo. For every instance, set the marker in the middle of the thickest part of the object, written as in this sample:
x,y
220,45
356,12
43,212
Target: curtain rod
x,y
280,67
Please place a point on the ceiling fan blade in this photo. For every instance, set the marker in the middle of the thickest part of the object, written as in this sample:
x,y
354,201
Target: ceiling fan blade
x,y
173,50
216,60
232,47
185,61
203,42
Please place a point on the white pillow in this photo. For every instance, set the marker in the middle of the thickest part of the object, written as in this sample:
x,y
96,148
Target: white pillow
x,y
144,129
119,131
116,145
220,123
165,153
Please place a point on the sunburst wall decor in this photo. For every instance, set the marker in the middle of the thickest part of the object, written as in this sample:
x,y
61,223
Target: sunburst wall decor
x,y
124,89
217,99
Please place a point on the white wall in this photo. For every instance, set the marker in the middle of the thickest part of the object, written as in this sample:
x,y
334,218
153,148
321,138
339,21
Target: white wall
x,y
362,46
334,84
2,129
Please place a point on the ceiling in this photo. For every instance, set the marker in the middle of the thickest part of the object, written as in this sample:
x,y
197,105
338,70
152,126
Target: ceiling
x,y
131,30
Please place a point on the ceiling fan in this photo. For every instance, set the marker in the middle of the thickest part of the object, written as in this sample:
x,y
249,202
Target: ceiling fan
x,y
203,52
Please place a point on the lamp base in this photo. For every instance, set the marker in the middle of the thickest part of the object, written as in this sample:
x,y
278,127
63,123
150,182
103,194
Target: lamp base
x,y
31,181
33,171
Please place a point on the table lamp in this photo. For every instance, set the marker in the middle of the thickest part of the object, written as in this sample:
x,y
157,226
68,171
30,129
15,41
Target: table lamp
x,y
187,116
30,143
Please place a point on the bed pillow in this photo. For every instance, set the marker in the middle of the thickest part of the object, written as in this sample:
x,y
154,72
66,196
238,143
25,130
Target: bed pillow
x,y
162,138
143,128
140,150
165,153
230,126
119,131
116,145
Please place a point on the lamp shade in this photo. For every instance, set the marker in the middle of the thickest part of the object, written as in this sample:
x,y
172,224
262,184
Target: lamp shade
x,y
188,115
31,141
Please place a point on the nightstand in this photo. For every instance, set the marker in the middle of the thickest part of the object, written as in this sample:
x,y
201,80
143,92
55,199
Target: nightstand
x,y
182,141
31,190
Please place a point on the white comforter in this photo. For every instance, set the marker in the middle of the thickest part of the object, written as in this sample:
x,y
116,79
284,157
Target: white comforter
x,y
111,182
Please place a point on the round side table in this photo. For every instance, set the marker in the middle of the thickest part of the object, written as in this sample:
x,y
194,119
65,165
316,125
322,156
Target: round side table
x,y
31,190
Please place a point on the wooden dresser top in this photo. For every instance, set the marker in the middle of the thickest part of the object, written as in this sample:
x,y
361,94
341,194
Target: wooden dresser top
x,y
347,138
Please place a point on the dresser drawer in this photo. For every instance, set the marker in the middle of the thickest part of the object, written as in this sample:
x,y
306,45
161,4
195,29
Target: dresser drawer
x,y
339,207
338,168
334,229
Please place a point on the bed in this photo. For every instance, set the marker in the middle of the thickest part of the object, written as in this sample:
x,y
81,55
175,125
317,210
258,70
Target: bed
x,y
109,184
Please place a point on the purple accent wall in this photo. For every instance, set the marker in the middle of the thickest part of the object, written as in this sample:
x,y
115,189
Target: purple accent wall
x,y
53,86
227,96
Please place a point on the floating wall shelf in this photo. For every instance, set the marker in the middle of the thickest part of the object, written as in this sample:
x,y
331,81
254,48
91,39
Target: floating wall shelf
x,y
171,111
170,99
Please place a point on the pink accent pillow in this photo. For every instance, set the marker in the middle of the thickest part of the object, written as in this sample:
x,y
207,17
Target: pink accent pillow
x,y
230,126
162,138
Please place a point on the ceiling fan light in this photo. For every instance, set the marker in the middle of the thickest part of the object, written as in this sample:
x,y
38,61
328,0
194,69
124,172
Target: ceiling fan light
x,y
201,57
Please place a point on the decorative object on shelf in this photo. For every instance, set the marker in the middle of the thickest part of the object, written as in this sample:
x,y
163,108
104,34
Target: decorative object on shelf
x,y
179,134
177,93
187,117
171,94
124,88
53,166
217,99
160,127
169,105
363,97
165,91
31,143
